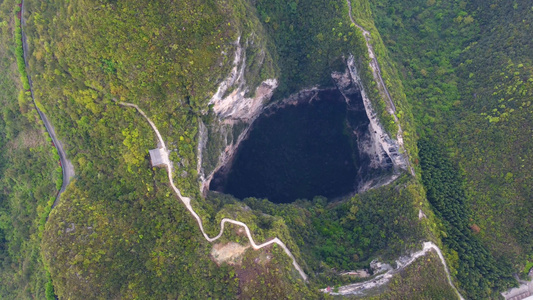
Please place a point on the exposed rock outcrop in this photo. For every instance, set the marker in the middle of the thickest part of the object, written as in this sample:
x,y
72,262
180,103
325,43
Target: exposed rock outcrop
x,y
235,105
235,112
375,145
380,137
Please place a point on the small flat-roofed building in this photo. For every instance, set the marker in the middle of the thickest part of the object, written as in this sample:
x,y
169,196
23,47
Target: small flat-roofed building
x,y
158,157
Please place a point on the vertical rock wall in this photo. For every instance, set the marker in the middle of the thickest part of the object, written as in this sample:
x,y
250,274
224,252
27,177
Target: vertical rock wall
x,y
235,114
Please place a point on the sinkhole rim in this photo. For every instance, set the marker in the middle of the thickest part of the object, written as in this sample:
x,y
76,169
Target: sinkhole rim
x,y
219,183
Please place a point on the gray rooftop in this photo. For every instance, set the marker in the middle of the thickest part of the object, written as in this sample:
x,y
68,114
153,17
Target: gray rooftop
x,y
158,157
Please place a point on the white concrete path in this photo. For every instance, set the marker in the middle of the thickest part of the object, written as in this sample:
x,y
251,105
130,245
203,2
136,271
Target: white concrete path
x,y
187,202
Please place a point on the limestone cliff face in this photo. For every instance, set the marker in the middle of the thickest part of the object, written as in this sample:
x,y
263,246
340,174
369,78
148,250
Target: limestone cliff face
x,y
374,143
235,112
234,105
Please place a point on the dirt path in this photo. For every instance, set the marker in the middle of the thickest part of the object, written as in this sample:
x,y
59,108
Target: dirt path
x,y
402,262
66,165
187,202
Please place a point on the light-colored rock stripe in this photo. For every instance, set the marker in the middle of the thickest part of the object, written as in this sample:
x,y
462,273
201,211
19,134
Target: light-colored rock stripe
x,y
402,263
376,73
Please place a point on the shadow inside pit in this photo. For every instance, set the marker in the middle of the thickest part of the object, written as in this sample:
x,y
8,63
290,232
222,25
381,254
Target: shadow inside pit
x,y
300,151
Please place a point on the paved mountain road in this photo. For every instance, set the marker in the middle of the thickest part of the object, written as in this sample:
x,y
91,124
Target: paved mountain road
x,y
66,165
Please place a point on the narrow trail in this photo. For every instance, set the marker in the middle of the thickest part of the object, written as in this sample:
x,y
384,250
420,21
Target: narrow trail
x,y
187,202
402,262
376,73
66,165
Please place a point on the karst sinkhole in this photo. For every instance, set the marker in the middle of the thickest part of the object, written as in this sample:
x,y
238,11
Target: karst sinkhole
x,y
299,151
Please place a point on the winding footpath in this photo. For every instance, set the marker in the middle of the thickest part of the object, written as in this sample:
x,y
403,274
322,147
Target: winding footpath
x,y
187,202
66,165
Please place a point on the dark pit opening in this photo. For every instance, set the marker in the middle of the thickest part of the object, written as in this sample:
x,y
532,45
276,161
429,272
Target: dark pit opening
x,y
299,151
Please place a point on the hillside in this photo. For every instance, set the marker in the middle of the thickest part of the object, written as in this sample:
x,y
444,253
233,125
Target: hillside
x,y
467,69
441,155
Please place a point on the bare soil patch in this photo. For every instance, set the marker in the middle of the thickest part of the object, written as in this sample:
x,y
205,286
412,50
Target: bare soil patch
x,y
230,253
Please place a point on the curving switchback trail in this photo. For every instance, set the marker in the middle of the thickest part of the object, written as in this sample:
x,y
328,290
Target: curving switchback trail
x,y
66,165
187,202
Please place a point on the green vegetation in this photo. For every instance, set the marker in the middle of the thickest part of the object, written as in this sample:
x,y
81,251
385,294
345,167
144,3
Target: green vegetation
x,y
20,52
24,98
528,267
265,275
432,38
349,234
310,38
475,268
152,250
495,133
467,68
27,173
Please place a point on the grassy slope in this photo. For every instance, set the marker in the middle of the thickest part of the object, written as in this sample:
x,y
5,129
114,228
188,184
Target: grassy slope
x,y
495,127
130,236
27,178
348,235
